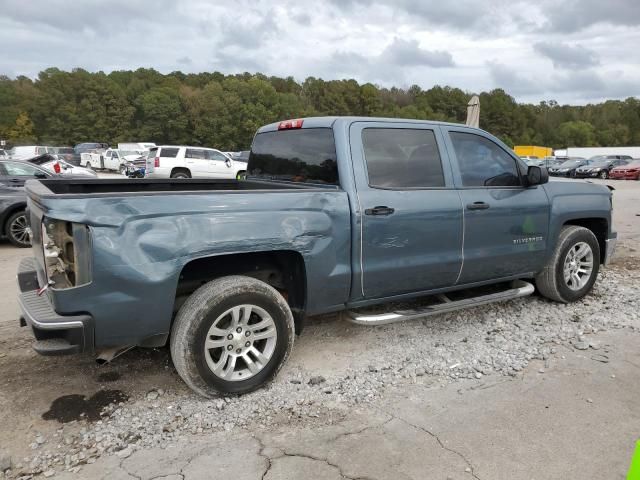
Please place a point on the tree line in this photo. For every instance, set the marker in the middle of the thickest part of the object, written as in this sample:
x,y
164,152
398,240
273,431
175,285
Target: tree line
x,y
224,111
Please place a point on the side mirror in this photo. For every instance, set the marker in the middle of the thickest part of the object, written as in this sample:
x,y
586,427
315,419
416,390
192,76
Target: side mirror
x,y
537,175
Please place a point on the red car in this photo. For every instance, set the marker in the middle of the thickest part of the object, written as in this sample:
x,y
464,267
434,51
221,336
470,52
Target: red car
x,y
630,171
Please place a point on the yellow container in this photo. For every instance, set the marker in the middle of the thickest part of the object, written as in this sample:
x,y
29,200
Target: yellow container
x,y
532,151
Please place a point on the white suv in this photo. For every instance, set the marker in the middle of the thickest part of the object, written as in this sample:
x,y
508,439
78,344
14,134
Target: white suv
x,y
168,161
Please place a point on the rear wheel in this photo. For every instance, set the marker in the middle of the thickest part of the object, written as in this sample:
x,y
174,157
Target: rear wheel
x,y
231,336
17,230
573,268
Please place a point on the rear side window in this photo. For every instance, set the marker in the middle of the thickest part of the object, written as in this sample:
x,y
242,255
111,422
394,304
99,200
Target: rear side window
x,y
169,152
483,163
300,155
402,158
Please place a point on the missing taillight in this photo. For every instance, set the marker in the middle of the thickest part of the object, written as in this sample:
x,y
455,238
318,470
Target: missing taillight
x,y
64,266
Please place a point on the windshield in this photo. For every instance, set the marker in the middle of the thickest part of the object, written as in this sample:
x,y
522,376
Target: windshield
x,y
65,150
634,164
129,152
600,163
301,155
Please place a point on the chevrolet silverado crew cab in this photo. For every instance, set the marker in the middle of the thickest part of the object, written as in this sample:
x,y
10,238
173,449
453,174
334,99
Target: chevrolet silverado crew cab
x,y
335,214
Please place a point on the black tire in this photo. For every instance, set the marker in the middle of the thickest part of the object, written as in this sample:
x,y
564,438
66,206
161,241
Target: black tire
x,y
241,175
604,175
180,174
13,228
198,314
122,169
550,281
572,174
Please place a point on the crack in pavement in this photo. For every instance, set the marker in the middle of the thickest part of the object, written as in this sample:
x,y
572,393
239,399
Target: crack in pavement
x,y
442,445
285,453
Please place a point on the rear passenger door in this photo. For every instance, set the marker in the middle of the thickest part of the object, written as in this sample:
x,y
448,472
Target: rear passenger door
x,y
411,230
196,161
505,223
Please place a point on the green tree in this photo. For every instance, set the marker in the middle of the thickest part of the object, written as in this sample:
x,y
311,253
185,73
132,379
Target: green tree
x,y
23,130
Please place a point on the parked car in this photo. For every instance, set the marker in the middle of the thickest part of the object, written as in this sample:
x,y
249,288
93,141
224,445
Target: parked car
x,y
568,168
599,167
630,171
13,200
60,167
170,161
532,160
336,213
64,153
28,151
3,154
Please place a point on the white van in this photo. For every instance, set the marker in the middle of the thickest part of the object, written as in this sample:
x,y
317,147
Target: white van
x,y
172,161
29,151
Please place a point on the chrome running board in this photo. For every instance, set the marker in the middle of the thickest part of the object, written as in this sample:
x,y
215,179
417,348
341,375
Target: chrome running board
x,y
519,288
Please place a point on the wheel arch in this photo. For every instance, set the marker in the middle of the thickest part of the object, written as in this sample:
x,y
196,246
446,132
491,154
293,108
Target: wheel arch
x,y
181,169
284,270
599,227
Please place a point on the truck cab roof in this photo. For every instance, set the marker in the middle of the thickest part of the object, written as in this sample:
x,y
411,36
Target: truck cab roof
x,y
337,121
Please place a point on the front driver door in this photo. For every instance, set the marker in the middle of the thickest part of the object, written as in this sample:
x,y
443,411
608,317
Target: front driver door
x,y
410,212
505,223
219,165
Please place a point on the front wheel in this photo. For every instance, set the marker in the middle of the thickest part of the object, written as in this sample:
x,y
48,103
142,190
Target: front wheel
x,y
231,336
573,268
604,175
17,230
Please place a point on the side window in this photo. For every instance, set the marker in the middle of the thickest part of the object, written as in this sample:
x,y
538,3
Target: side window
x,y
41,150
483,163
15,169
196,153
171,152
402,158
213,155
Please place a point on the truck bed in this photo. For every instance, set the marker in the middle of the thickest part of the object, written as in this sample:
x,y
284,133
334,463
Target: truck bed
x,y
127,187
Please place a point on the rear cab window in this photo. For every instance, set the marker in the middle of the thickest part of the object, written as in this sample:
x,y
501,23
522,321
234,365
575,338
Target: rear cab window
x,y
306,155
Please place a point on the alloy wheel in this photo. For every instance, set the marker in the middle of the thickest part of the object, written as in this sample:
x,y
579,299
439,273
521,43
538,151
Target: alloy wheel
x,y
240,342
578,265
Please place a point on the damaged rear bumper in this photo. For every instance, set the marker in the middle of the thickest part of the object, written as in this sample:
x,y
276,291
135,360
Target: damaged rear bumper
x,y
55,334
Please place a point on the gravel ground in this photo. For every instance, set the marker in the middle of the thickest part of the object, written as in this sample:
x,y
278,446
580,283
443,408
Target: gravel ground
x,y
498,339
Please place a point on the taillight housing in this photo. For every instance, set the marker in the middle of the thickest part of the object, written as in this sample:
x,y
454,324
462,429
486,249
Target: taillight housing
x,y
156,162
65,246
56,167
290,124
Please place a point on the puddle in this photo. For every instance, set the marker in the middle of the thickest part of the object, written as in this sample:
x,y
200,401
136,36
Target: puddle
x,y
77,407
108,377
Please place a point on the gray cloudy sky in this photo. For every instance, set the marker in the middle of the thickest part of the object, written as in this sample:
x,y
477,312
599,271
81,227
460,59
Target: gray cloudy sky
x,y
574,51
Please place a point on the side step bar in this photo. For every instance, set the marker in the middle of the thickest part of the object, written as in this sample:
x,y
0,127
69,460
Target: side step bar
x,y
519,288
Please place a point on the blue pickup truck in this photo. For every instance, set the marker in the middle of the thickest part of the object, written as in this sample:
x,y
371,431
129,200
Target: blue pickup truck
x,y
335,214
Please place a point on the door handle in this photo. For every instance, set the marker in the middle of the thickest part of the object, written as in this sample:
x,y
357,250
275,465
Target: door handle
x,y
478,206
379,211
